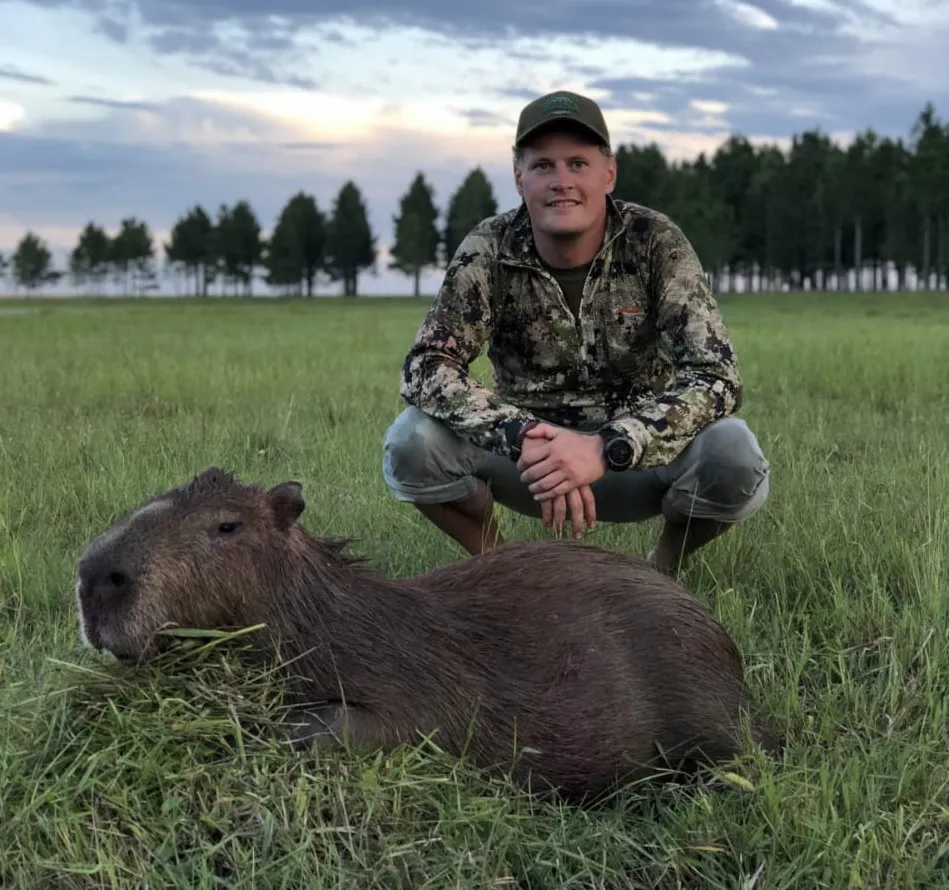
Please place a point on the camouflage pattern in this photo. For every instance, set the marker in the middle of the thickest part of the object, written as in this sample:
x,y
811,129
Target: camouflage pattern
x,y
648,357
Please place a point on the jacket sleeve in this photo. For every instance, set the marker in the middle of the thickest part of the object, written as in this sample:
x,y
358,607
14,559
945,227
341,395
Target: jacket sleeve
x,y
435,374
706,382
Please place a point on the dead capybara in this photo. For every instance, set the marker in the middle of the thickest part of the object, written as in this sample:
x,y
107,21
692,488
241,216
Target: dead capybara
x,y
591,664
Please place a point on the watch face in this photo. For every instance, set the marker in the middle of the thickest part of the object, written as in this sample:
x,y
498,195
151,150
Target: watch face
x,y
620,451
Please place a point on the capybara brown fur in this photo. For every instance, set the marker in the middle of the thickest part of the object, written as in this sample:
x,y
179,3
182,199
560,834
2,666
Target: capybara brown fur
x,y
567,666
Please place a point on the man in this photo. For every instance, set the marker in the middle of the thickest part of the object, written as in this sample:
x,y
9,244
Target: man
x,y
615,380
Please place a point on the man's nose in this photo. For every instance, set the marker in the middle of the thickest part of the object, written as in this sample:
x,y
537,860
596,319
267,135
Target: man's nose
x,y
563,176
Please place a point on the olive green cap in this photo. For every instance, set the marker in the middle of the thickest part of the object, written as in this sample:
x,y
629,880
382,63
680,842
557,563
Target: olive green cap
x,y
561,106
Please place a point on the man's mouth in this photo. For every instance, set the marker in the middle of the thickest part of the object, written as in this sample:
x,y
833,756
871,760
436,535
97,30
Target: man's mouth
x,y
566,202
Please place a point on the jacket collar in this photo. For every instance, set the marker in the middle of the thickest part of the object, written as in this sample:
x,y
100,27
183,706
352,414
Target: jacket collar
x,y
517,244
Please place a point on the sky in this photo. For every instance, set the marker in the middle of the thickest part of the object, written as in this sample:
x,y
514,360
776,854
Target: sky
x,y
111,108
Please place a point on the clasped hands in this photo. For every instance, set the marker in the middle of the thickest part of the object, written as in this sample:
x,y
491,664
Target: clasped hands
x,y
559,466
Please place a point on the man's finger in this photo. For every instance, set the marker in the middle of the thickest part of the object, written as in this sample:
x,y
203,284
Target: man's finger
x,y
560,514
544,477
537,471
575,502
589,504
560,486
557,482
537,451
547,512
541,431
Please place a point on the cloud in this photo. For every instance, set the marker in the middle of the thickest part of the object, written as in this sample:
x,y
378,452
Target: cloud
x,y
8,72
769,62
494,18
746,14
102,102
730,27
112,28
10,114
232,51
486,117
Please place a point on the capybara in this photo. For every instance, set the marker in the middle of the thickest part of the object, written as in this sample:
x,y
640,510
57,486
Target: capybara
x,y
568,666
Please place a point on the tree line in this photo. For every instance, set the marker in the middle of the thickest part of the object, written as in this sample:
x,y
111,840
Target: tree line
x,y
816,214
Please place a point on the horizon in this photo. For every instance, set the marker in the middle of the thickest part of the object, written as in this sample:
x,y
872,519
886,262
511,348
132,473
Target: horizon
x,y
151,108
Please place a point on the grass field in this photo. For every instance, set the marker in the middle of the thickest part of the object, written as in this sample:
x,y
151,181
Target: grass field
x,y
836,593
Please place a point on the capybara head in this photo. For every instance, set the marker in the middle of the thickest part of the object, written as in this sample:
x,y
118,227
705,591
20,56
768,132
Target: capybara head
x,y
195,556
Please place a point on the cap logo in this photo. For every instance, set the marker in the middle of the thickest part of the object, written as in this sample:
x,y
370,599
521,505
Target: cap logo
x,y
560,105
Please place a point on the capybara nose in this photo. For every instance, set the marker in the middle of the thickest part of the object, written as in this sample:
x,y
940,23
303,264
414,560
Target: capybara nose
x,y
117,581
105,580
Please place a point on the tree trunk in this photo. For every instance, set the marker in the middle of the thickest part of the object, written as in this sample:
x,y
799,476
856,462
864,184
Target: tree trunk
x,y
858,253
941,251
838,254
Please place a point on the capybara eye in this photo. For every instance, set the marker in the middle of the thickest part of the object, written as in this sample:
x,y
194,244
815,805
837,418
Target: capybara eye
x,y
227,528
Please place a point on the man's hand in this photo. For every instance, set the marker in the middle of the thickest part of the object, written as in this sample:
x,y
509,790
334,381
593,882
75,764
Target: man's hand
x,y
580,504
559,466
555,461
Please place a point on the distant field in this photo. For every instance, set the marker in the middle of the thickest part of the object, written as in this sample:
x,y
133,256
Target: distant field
x,y
836,593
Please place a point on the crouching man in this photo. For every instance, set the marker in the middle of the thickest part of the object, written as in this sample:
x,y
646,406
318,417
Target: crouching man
x,y
615,382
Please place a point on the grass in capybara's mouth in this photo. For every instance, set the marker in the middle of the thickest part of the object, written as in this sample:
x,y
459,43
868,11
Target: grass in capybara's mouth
x,y
167,775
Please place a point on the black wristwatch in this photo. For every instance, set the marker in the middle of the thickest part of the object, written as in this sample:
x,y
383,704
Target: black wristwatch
x,y
515,435
617,450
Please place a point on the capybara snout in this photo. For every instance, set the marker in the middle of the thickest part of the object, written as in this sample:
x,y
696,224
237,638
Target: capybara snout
x,y
567,665
104,584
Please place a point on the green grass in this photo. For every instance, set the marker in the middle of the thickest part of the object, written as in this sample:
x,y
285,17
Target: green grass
x,y
835,592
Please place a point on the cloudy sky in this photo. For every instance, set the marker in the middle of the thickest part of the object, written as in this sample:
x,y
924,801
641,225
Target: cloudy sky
x,y
117,107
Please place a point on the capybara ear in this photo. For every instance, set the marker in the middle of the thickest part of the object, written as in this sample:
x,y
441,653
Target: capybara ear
x,y
287,502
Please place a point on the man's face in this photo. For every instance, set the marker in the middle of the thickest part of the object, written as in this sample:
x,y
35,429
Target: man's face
x,y
564,181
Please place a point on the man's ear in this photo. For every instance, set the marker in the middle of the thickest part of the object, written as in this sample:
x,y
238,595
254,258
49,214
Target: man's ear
x,y
516,169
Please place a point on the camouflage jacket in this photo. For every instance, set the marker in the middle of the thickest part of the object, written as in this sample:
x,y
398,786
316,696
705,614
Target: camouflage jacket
x,y
649,355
